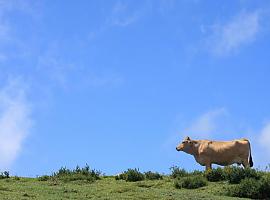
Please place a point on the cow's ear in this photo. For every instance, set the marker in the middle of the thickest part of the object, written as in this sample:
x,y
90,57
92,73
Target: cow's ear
x,y
187,138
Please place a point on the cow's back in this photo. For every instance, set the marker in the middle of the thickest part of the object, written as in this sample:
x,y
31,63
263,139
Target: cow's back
x,y
224,153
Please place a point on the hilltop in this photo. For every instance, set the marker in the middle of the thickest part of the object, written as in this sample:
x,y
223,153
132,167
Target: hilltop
x,y
84,183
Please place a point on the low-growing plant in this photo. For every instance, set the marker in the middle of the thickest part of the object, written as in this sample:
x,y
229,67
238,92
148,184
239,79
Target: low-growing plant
x,y
235,174
178,172
252,188
43,178
121,176
214,175
190,182
196,172
4,175
84,173
265,187
248,187
131,175
152,175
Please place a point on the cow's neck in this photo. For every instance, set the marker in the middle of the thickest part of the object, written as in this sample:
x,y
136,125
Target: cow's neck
x,y
195,149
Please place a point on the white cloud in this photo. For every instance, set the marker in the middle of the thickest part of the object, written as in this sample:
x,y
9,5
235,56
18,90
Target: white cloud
x,y
53,67
264,137
122,15
205,125
8,33
239,31
166,6
15,121
56,71
209,125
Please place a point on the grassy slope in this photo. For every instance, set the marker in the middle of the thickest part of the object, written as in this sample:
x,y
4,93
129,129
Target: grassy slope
x,y
106,188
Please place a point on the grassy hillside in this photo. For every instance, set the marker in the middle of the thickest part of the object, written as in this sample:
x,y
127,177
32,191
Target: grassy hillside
x,y
83,183
105,188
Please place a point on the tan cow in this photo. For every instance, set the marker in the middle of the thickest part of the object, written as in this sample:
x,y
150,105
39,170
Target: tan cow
x,y
207,152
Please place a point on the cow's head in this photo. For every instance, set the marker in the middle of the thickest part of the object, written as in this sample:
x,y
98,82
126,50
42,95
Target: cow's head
x,y
186,145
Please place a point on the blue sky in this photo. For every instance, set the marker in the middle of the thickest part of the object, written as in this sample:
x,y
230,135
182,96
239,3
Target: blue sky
x,y
118,84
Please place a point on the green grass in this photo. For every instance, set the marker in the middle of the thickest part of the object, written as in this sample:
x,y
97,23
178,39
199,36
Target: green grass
x,y
86,183
106,188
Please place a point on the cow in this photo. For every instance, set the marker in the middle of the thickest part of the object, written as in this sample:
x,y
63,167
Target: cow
x,y
208,152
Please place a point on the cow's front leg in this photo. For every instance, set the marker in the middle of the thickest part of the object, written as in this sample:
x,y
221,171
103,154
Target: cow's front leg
x,y
208,166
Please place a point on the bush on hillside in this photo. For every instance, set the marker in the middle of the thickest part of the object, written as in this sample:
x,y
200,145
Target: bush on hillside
x,y
131,175
214,175
121,176
235,174
265,187
191,182
248,188
252,188
4,175
43,178
178,172
84,173
153,175
196,172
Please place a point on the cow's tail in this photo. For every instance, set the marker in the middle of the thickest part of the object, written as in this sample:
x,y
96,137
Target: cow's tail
x,y
250,157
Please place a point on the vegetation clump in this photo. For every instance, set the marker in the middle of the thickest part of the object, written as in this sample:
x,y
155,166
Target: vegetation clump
x,y
235,174
190,182
153,175
43,178
84,173
252,188
214,175
4,175
177,172
131,175
196,172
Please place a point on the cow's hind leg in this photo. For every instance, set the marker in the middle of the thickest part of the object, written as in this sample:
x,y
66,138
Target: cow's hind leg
x,y
208,166
245,163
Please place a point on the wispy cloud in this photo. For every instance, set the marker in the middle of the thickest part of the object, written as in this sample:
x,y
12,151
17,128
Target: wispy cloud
x,y
8,33
264,137
58,72
55,69
207,124
165,6
210,124
15,121
229,37
122,15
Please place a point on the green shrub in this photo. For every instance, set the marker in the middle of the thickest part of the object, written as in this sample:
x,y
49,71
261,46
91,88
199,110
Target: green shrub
x,y
121,176
196,172
43,178
178,172
248,188
265,187
252,188
152,175
191,182
131,175
215,175
4,175
235,174
78,173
